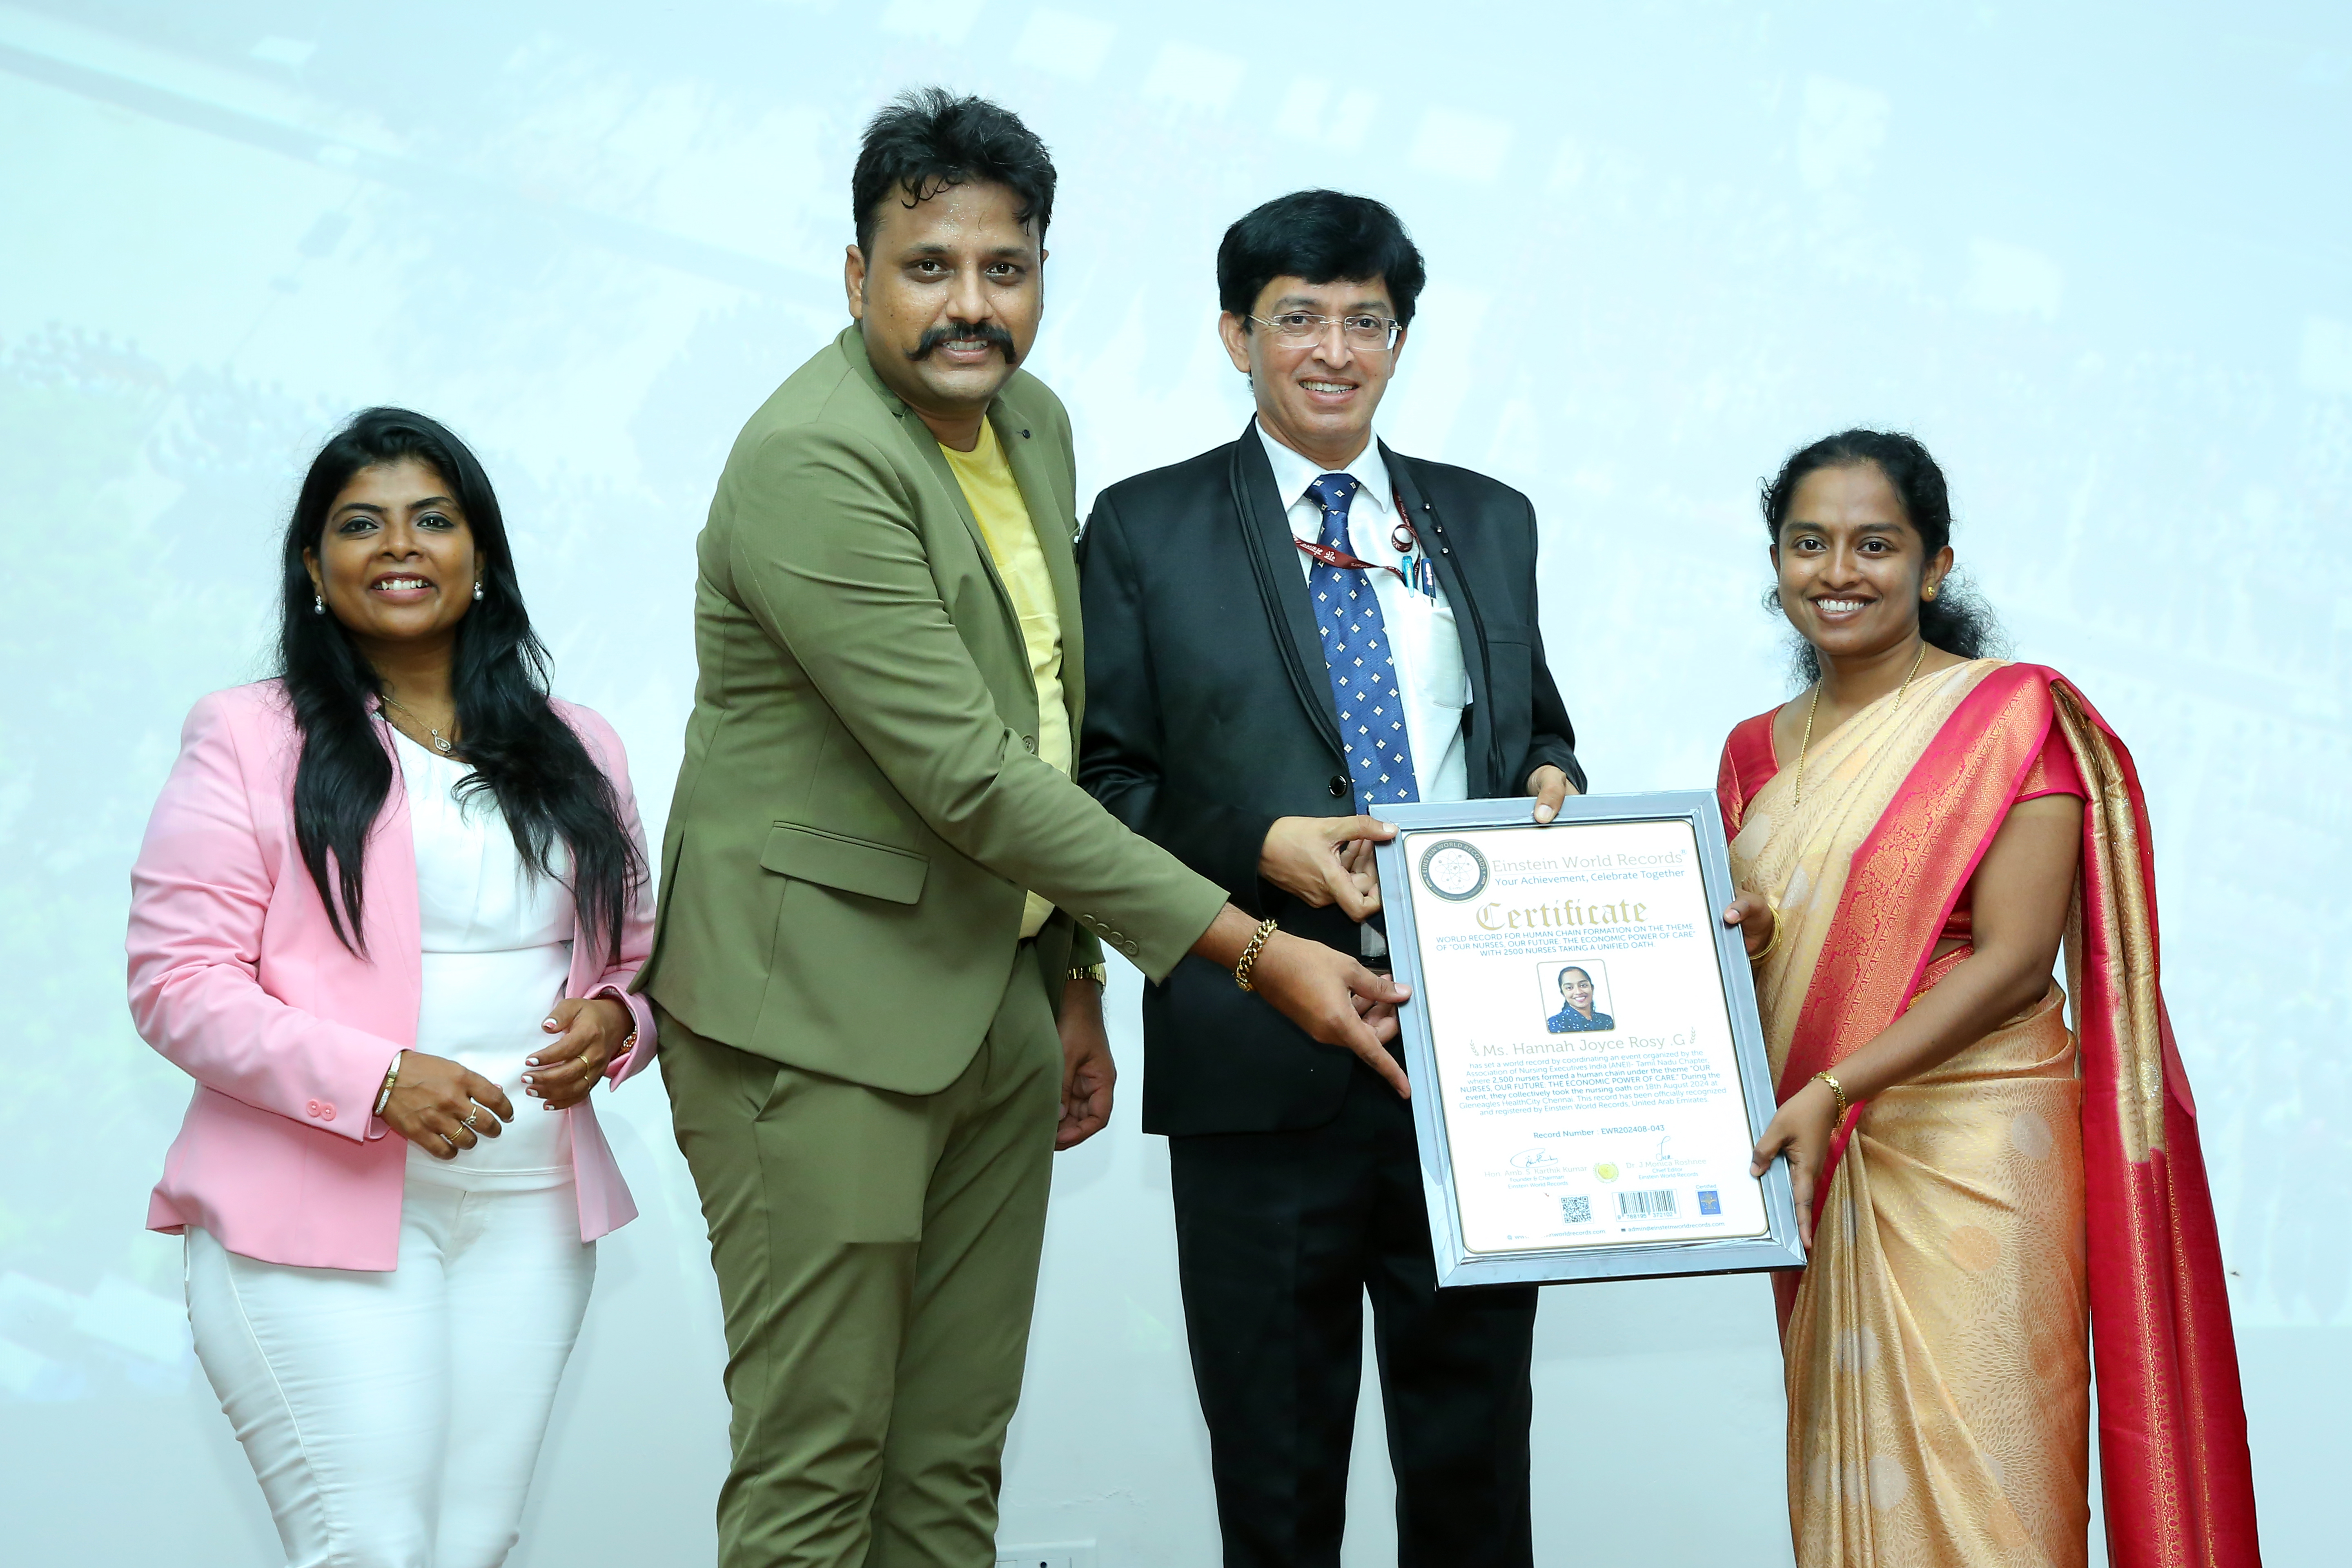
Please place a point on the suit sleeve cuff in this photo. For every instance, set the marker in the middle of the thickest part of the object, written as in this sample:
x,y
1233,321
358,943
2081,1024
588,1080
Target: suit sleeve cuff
x,y
638,1056
1189,920
1555,753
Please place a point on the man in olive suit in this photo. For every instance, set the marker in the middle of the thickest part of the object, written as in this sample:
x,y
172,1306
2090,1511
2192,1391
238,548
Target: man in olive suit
x,y
882,897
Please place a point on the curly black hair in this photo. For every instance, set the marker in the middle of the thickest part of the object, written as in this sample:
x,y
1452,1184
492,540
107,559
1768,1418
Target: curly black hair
x,y
923,142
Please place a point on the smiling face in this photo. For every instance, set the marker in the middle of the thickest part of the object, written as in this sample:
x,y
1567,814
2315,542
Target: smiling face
x,y
950,296
1576,990
1317,396
1851,568
395,561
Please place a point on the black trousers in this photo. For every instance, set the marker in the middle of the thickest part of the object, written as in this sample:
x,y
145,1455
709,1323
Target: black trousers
x,y
1278,1236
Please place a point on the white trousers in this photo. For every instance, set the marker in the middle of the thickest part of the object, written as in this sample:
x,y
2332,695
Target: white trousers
x,y
393,1418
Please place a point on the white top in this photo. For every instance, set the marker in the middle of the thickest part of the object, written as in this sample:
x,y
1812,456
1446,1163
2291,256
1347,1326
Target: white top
x,y
498,950
1430,676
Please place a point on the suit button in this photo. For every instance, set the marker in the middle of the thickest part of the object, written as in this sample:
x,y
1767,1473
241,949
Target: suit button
x,y
312,1108
1338,787
1130,950
326,1111
1029,744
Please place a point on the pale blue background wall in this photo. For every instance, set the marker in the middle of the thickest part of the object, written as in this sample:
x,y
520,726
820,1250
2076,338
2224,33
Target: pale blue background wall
x,y
2099,257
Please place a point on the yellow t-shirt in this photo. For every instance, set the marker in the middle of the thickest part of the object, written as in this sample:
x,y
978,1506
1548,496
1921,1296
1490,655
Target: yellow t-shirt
x,y
1004,518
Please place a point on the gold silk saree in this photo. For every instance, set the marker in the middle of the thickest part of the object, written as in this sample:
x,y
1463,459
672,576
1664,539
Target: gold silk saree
x,y
1987,1229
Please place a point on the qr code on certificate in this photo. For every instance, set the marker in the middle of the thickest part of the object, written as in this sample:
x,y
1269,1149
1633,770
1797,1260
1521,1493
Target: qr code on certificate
x,y
1576,1210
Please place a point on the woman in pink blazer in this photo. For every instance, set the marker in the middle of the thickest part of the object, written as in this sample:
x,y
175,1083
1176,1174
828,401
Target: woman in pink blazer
x,y
385,915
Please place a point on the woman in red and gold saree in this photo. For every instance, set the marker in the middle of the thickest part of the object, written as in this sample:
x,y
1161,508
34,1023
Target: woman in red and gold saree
x,y
1910,841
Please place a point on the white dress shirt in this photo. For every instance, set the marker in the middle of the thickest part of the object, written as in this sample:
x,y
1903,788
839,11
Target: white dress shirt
x,y
1430,678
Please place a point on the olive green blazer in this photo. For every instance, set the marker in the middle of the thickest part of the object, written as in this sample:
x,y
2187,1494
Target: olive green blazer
x,y
861,806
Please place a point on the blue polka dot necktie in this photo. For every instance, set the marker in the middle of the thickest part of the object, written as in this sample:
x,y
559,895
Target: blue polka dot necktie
x,y
1363,671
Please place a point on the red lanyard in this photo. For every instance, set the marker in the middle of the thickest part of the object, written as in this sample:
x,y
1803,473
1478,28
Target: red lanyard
x,y
1402,538
1343,560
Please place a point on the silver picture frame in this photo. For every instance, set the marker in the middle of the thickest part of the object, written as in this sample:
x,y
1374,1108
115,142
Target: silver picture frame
x,y
1457,1264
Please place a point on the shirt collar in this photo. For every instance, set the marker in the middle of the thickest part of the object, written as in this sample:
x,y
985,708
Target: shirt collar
x,y
1293,473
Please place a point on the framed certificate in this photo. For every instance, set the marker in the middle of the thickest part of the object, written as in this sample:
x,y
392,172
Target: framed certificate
x,y
1588,1074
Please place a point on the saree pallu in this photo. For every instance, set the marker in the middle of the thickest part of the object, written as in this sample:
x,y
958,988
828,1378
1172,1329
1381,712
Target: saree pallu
x,y
1973,1218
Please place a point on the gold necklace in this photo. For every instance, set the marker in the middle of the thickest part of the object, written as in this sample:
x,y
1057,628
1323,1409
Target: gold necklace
x,y
1815,707
446,747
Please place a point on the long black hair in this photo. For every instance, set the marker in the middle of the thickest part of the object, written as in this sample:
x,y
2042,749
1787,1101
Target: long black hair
x,y
522,751
1955,620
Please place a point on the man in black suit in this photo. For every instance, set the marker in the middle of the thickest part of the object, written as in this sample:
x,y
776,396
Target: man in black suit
x,y
1284,635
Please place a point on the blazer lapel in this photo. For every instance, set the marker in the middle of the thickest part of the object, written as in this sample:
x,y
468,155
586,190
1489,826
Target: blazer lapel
x,y
1272,553
926,448
1467,624
1054,521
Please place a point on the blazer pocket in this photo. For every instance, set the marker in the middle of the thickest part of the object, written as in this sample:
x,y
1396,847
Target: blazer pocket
x,y
851,865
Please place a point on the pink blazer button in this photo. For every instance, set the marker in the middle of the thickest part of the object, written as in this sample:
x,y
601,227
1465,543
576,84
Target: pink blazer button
x,y
313,1108
326,1111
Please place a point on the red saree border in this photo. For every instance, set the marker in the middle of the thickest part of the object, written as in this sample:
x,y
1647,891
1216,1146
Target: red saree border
x,y
1908,874
1746,767
2172,1426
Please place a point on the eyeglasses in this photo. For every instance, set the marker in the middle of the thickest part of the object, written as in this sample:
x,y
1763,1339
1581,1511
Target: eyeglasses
x,y
1374,334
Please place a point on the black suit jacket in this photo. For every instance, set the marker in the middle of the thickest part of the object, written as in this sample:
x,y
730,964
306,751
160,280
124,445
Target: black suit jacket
x,y
1209,713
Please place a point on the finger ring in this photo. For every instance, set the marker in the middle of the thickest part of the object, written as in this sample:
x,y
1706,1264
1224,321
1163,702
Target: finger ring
x,y
469,1123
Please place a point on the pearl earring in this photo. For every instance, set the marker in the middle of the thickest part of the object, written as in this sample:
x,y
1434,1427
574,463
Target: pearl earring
x,y
477,590
318,605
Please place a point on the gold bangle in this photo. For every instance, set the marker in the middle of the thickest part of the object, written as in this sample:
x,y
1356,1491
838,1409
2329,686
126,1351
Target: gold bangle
x,y
1837,1089
1244,967
1761,953
391,1076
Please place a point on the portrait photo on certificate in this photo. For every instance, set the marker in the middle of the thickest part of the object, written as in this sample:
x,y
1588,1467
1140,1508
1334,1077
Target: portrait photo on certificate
x,y
1582,992
1582,1066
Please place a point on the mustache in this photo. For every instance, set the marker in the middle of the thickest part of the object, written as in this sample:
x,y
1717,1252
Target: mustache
x,y
989,333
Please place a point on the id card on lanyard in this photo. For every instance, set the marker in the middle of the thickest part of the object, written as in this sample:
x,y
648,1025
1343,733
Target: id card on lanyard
x,y
1418,572
1424,630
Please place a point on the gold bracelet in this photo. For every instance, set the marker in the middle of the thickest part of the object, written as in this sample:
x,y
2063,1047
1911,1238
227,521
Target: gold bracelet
x,y
1247,964
1098,973
1838,1090
1761,953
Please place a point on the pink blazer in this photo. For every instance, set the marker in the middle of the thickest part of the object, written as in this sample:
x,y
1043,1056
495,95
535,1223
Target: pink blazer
x,y
236,976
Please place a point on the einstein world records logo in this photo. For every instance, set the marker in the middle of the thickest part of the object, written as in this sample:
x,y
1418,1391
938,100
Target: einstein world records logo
x,y
1453,870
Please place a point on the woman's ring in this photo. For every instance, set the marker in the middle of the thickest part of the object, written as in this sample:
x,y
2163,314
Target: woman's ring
x,y
469,1123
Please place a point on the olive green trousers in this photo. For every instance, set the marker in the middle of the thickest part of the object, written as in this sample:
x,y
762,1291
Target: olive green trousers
x,y
876,1256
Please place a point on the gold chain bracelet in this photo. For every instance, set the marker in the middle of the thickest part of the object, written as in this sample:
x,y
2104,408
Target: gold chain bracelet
x,y
1838,1090
1247,964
